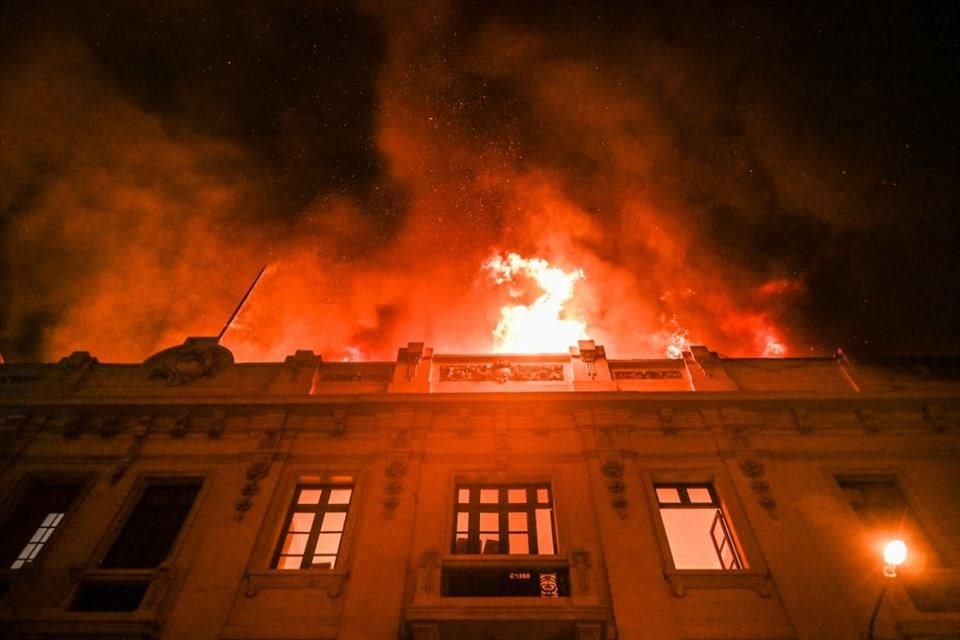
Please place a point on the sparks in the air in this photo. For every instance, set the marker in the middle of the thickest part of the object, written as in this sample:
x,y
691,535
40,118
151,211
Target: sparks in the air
x,y
544,325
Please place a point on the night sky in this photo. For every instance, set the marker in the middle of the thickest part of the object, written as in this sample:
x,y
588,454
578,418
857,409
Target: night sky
x,y
735,175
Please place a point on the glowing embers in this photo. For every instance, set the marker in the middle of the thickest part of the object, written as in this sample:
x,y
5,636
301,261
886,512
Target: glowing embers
x,y
538,327
504,519
315,527
696,528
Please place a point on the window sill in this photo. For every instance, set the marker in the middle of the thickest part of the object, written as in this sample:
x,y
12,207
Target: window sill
x,y
157,581
330,580
56,623
930,619
683,579
467,560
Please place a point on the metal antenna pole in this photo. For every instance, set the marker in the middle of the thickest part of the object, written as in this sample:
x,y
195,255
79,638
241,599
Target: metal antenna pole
x,y
240,306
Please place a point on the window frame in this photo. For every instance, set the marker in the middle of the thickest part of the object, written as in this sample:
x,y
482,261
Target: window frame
x,y
130,504
260,572
431,575
316,526
721,518
502,509
96,574
21,489
755,576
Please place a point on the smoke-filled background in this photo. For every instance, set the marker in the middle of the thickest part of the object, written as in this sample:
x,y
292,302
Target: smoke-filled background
x,y
761,179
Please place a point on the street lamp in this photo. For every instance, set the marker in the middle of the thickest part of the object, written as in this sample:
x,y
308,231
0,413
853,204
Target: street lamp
x,y
894,555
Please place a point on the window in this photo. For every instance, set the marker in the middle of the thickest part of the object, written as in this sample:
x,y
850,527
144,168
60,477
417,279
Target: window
x,y
153,526
884,513
38,513
504,519
314,527
697,530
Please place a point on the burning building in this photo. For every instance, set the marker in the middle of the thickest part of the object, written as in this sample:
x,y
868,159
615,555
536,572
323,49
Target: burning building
x,y
543,496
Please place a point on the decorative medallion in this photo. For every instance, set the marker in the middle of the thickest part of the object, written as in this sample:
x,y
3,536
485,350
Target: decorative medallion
x,y
194,359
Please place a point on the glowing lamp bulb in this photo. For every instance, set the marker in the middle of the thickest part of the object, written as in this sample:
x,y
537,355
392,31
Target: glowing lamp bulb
x,y
895,553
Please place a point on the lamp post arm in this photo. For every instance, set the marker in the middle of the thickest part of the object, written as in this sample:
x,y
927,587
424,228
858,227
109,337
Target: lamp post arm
x,y
876,610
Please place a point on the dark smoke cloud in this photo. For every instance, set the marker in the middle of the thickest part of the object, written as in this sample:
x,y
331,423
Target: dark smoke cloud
x,y
738,173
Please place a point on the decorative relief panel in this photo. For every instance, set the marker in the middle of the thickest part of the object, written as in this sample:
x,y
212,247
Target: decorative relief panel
x,y
647,374
501,371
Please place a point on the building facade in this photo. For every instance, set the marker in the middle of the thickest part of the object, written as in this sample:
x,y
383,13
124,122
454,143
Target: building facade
x,y
555,497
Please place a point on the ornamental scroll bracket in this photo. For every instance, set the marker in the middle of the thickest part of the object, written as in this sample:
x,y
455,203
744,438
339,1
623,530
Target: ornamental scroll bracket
x,y
613,471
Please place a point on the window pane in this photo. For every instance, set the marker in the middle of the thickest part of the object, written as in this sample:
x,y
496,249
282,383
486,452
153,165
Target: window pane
x,y
515,496
289,562
152,527
295,544
688,533
333,521
545,532
328,544
309,496
316,526
324,562
340,496
501,519
518,520
489,522
301,522
699,495
519,543
463,496
490,543
668,495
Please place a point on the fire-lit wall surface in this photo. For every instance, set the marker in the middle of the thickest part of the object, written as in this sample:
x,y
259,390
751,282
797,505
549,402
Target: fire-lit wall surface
x,y
562,496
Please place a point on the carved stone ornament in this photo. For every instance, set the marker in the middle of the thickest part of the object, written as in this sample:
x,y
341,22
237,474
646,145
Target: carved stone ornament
x,y
501,371
647,374
194,359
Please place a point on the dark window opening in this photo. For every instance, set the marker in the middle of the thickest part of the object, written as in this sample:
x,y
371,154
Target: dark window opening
x,y
34,519
885,515
697,529
504,519
153,526
314,529
109,596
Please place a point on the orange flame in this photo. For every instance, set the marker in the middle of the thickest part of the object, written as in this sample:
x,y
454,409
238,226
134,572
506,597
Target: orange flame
x,y
538,327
